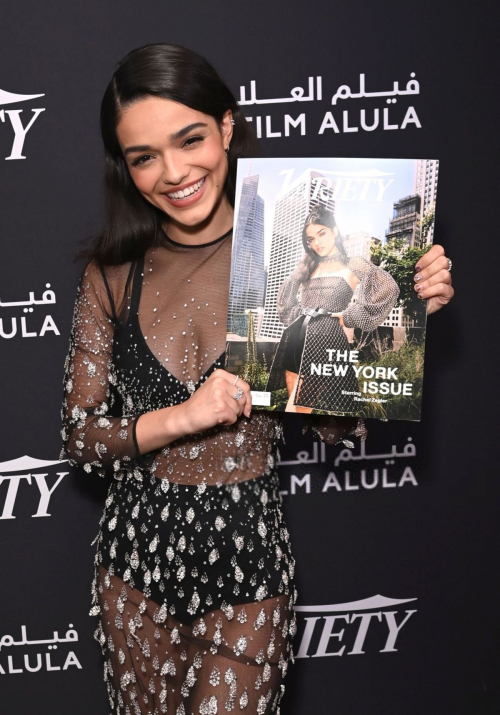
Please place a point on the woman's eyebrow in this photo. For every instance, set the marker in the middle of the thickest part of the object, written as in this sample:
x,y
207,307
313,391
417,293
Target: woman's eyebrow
x,y
132,149
185,130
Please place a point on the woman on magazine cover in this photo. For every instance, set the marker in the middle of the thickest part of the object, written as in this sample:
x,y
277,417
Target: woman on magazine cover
x,y
315,305
194,576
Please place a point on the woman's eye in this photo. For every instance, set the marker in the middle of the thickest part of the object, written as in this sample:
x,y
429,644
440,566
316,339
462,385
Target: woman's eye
x,y
141,159
193,140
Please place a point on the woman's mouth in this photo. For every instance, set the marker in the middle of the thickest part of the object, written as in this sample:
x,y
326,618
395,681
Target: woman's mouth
x,y
187,196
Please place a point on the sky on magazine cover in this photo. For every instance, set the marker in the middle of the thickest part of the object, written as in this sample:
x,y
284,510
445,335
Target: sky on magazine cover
x,y
369,215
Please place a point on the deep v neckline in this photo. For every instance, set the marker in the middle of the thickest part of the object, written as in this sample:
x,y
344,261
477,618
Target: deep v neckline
x,y
137,291
167,372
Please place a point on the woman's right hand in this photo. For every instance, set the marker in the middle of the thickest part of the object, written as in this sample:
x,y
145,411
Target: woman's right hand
x,y
214,404
340,318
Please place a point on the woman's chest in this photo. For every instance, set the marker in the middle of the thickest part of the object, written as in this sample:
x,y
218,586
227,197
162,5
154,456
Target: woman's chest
x,y
175,335
331,292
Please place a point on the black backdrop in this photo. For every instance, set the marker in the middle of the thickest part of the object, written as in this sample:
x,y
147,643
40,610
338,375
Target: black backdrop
x,y
426,528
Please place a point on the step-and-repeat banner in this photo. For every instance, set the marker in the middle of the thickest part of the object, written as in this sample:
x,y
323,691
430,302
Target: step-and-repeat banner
x,y
396,540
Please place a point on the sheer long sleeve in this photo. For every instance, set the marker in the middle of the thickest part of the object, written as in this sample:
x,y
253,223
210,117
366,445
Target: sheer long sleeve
x,y
91,436
288,303
376,296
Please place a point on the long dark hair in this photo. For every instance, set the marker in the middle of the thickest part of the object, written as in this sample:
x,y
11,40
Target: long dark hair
x,y
132,224
324,217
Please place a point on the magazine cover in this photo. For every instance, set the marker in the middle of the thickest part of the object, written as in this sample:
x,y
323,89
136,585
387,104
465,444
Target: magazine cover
x,y
323,316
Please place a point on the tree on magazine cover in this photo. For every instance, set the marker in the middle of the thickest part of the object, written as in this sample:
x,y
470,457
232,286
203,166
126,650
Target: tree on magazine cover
x,y
254,372
399,259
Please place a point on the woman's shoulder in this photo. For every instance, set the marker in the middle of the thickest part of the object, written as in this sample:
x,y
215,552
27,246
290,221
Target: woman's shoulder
x,y
333,270
99,274
109,283
360,265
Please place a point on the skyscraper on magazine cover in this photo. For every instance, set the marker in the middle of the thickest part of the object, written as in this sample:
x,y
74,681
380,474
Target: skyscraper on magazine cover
x,y
406,224
248,277
290,213
425,185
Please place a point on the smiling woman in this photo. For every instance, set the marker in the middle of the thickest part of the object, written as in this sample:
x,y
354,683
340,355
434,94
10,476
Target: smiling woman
x,y
194,576
176,158
187,117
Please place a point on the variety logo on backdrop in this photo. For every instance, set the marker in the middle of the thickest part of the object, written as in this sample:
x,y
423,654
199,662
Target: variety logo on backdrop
x,y
29,659
38,474
28,325
368,471
13,117
353,628
380,114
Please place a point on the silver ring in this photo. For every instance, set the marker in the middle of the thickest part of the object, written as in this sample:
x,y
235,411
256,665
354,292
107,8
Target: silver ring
x,y
449,264
236,380
239,394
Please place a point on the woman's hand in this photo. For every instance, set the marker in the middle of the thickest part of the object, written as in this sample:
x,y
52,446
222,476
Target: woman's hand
x,y
214,403
433,279
340,318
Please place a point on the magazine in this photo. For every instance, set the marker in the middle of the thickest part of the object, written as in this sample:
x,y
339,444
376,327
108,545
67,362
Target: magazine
x,y
323,315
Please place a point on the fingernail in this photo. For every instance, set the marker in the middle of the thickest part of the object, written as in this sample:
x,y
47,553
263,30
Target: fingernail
x,y
419,295
418,277
418,287
418,268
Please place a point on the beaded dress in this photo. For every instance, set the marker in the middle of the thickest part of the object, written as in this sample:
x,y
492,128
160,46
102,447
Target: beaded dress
x,y
194,577
304,308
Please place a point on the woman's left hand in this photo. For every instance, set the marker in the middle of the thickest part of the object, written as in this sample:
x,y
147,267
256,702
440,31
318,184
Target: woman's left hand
x,y
433,279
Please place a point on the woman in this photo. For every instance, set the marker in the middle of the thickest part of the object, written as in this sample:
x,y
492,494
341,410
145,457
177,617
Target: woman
x,y
194,577
315,305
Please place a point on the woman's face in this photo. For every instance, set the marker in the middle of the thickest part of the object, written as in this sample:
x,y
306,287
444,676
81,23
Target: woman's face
x,y
322,239
176,158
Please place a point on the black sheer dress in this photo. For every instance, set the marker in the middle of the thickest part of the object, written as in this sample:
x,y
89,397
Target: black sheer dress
x,y
194,578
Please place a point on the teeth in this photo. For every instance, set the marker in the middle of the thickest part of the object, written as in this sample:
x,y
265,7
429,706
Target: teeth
x,y
187,192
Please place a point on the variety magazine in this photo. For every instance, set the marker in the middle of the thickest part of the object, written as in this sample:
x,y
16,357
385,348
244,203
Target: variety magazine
x,y
323,316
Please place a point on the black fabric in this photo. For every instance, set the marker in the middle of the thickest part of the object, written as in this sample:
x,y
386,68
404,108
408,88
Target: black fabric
x,y
194,576
294,346
210,550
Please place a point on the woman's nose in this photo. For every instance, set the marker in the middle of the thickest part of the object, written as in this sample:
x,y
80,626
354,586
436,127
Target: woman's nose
x,y
174,169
